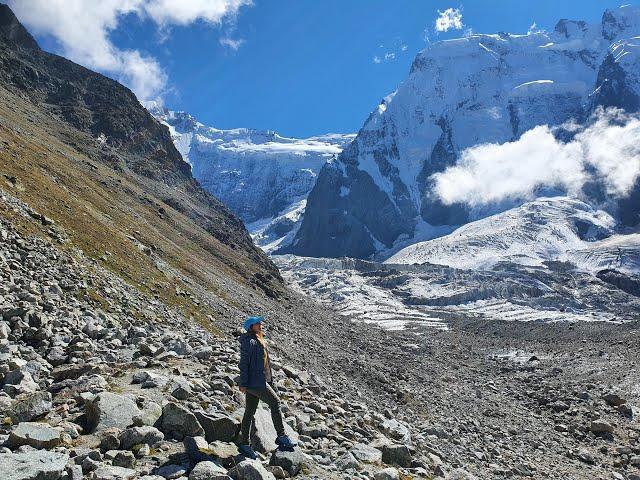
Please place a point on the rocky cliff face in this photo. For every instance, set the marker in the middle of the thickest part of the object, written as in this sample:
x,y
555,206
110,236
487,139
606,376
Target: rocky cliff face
x,y
459,93
263,177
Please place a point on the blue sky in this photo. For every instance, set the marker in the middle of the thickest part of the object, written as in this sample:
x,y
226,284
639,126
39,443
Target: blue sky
x,y
302,67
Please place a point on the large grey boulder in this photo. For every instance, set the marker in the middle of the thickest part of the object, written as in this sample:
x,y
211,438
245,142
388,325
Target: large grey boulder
x,y
109,410
250,470
366,453
208,471
460,474
347,461
220,428
108,472
140,435
263,433
31,406
177,422
36,435
292,462
33,465
389,473
396,455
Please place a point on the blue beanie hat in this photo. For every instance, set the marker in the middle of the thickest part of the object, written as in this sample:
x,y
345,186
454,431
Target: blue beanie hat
x,y
252,321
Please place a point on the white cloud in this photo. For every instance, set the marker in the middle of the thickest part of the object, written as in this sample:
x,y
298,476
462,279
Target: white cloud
x,y
389,56
606,149
404,48
82,29
377,59
232,43
450,19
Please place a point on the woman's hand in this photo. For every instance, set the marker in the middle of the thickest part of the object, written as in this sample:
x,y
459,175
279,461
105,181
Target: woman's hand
x,y
243,389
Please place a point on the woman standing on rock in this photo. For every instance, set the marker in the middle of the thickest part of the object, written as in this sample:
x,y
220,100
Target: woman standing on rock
x,y
255,383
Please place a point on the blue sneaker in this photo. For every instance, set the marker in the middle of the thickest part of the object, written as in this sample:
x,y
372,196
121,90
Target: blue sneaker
x,y
247,451
285,443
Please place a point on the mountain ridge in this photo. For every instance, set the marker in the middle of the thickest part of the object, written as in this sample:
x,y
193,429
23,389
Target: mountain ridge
x,y
461,93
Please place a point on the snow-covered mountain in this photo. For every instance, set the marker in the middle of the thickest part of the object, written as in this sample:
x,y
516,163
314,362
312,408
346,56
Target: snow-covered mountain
x,y
460,93
261,176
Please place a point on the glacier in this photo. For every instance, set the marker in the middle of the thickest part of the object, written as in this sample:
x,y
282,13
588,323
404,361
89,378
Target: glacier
x,y
261,176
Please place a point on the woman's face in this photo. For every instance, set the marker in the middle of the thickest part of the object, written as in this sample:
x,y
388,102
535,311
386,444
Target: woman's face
x,y
257,327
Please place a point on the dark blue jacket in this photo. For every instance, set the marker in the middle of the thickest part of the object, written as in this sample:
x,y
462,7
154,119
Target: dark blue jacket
x,y
252,373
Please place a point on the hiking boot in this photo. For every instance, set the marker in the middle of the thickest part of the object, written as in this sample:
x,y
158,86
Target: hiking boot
x,y
246,450
284,443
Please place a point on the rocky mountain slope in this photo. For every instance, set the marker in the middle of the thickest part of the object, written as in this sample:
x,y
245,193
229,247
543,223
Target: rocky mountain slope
x,y
262,177
460,93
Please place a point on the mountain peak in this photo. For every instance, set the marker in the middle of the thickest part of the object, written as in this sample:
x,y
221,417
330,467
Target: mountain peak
x,y
12,30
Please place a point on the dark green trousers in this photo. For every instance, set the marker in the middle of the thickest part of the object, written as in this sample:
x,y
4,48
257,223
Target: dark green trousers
x,y
253,397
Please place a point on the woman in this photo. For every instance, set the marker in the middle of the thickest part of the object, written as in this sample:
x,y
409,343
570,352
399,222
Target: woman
x,y
255,380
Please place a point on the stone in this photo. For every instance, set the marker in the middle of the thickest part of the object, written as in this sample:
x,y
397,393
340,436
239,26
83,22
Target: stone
x,y
110,441
600,426
222,428
389,473
110,472
585,456
36,435
250,470
223,450
396,430
33,465
196,447
263,434
460,474
124,459
366,453
139,435
177,422
109,410
347,461
395,454
171,471
291,462
149,415
614,399
208,471
30,407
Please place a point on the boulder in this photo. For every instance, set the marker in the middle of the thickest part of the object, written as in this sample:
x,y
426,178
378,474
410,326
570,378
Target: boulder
x,y
291,462
149,415
140,435
196,448
223,450
366,453
396,455
36,435
171,471
347,461
30,406
33,465
600,426
177,422
614,399
109,472
222,428
250,470
389,473
109,410
208,471
263,434
460,474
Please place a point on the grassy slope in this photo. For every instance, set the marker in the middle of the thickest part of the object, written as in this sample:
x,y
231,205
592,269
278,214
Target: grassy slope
x,y
101,208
